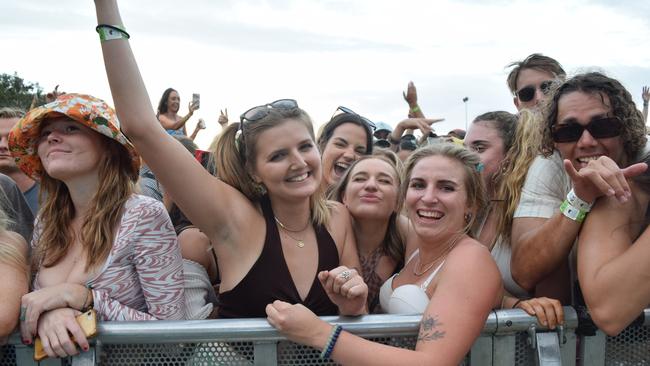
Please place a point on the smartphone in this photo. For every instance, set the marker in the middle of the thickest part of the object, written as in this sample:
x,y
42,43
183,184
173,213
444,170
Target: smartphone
x,y
196,100
88,323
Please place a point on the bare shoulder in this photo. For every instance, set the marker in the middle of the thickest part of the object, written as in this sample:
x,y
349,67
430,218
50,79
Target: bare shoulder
x,y
15,240
472,257
338,210
340,218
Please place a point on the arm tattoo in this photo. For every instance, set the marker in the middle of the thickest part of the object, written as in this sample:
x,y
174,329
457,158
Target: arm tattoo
x,y
428,331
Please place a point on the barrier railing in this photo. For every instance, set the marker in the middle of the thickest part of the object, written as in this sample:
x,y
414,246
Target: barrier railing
x,y
510,337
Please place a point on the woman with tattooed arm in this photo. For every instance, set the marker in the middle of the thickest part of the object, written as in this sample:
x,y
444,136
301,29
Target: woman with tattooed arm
x,y
449,277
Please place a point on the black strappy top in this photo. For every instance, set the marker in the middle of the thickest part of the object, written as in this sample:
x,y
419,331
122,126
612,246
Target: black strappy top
x,y
269,278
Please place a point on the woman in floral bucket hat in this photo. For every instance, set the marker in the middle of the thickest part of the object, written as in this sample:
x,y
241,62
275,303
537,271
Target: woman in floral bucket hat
x,y
96,243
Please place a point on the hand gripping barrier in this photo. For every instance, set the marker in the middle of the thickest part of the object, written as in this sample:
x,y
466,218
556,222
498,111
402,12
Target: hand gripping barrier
x,y
510,337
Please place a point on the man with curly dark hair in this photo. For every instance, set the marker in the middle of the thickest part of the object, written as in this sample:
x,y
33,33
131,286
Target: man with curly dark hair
x,y
592,132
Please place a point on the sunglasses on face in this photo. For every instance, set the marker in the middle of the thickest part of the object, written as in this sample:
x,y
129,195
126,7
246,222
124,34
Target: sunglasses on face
x,y
598,128
527,93
347,110
261,111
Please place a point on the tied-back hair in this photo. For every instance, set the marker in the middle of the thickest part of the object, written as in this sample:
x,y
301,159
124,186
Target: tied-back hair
x,y
476,196
518,158
621,106
236,152
116,184
393,243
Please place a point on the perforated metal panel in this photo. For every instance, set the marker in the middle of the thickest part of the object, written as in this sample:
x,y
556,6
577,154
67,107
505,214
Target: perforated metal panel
x,y
7,356
217,353
524,354
631,347
290,353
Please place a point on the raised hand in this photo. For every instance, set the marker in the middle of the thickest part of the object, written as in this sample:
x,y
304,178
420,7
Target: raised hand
x,y
51,96
223,117
645,94
193,106
602,177
411,94
422,124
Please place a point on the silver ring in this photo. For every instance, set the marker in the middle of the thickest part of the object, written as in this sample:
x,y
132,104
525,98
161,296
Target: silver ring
x,y
345,274
23,313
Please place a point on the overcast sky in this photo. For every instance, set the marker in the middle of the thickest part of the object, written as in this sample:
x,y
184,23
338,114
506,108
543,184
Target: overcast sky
x,y
360,54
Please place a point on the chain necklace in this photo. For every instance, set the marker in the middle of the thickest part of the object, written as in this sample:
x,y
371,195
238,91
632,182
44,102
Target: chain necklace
x,y
430,265
300,243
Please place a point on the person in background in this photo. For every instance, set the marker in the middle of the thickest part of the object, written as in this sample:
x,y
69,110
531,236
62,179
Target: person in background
x,y
168,108
370,191
342,140
29,187
381,135
457,133
14,206
531,80
96,244
507,147
450,278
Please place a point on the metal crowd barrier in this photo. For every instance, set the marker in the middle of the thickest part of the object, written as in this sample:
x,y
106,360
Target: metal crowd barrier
x,y
510,337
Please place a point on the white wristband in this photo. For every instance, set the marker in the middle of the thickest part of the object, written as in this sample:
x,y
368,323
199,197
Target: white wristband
x,y
578,202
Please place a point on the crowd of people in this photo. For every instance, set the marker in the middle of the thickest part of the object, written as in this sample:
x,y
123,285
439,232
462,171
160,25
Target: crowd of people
x,y
534,210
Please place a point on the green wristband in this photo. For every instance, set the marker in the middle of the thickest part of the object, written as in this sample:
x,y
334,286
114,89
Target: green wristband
x,y
109,32
572,212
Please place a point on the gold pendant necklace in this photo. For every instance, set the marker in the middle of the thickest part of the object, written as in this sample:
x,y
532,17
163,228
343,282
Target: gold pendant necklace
x,y
300,243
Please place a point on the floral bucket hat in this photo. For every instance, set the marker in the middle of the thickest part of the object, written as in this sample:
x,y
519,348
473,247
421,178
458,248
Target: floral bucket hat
x,y
85,109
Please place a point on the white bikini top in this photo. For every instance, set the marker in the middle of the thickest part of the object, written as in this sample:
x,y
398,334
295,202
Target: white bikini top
x,y
406,299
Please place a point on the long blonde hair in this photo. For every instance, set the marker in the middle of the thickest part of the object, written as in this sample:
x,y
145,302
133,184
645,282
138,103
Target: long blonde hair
x,y
525,148
116,185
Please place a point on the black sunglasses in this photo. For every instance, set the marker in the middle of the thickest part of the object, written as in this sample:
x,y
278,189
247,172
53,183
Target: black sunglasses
x,y
261,111
350,111
598,128
527,93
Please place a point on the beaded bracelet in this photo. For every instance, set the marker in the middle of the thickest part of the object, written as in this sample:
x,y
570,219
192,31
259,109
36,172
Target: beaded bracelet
x,y
109,32
329,347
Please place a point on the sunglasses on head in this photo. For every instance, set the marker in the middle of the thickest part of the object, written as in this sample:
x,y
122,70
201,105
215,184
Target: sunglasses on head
x,y
527,93
350,111
261,111
598,128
